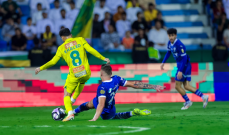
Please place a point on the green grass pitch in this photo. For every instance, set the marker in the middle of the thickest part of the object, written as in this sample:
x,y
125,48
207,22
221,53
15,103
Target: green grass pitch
x,y
166,119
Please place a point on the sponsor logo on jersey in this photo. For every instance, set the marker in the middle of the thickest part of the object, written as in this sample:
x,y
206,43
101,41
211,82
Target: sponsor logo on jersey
x,y
102,91
78,69
80,74
70,44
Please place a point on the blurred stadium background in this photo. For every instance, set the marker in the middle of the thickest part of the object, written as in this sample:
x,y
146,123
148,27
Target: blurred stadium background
x,y
135,47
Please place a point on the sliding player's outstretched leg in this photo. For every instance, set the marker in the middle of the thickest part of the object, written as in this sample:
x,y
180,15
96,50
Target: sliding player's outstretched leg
x,y
188,87
135,112
84,107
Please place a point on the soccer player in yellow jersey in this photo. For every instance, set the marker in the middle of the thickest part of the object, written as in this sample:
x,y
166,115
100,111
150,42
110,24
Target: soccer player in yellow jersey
x,y
73,52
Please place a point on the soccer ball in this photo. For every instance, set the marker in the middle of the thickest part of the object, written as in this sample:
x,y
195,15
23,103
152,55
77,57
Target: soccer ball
x,y
58,114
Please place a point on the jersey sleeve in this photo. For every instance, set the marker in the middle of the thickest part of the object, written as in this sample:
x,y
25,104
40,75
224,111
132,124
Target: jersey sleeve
x,y
168,46
91,50
101,92
121,81
53,61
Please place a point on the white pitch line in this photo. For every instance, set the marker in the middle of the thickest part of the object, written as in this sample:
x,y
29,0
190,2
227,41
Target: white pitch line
x,y
43,126
135,129
4,126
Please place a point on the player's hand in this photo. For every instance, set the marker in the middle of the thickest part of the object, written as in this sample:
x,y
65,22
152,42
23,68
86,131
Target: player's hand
x,y
162,66
107,60
37,70
93,120
179,75
158,88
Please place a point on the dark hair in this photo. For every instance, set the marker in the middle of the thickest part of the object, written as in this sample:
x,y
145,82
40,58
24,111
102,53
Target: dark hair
x,y
56,1
150,4
64,32
119,6
172,31
39,4
29,18
156,21
107,69
138,13
102,0
123,13
17,29
62,10
159,13
72,2
151,44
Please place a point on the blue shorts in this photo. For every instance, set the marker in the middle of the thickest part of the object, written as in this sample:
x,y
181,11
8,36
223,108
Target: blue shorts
x,y
107,113
186,73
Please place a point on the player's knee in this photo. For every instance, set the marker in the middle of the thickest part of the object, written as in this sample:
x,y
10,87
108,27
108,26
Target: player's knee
x,y
67,94
186,87
90,105
177,87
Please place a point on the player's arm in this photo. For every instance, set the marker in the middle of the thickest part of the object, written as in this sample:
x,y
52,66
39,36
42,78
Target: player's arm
x,y
49,64
94,52
100,107
165,58
141,85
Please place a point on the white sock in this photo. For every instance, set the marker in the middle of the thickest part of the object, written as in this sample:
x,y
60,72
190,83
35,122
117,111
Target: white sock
x,y
73,100
70,113
131,113
202,97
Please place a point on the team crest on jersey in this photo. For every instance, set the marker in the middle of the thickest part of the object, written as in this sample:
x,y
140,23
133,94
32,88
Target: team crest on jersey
x,y
102,91
182,50
70,44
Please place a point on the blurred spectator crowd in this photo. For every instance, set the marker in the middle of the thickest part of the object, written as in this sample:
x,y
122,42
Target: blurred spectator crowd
x,y
118,24
39,25
218,11
124,25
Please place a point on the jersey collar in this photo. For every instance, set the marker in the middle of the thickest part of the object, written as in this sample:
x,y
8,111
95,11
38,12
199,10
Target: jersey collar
x,y
174,42
108,80
69,39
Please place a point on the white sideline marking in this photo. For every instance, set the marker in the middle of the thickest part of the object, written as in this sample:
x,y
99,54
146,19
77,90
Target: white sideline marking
x,y
135,129
4,126
43,126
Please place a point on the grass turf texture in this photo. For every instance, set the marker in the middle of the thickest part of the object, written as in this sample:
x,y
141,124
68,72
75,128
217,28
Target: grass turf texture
x,y
166,118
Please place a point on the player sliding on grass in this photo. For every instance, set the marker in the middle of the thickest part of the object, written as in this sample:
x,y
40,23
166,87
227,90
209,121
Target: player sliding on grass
x,y
183,75
73,50
104,102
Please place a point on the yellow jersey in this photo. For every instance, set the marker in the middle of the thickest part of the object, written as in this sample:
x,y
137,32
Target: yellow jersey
x,y
73,51
150,16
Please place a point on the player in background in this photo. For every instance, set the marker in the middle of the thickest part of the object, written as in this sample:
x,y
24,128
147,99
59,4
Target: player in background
x,y
183,75
104,102
73,51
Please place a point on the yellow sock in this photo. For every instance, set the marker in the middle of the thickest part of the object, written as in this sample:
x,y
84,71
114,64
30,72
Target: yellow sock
x,y
67,103
78,90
